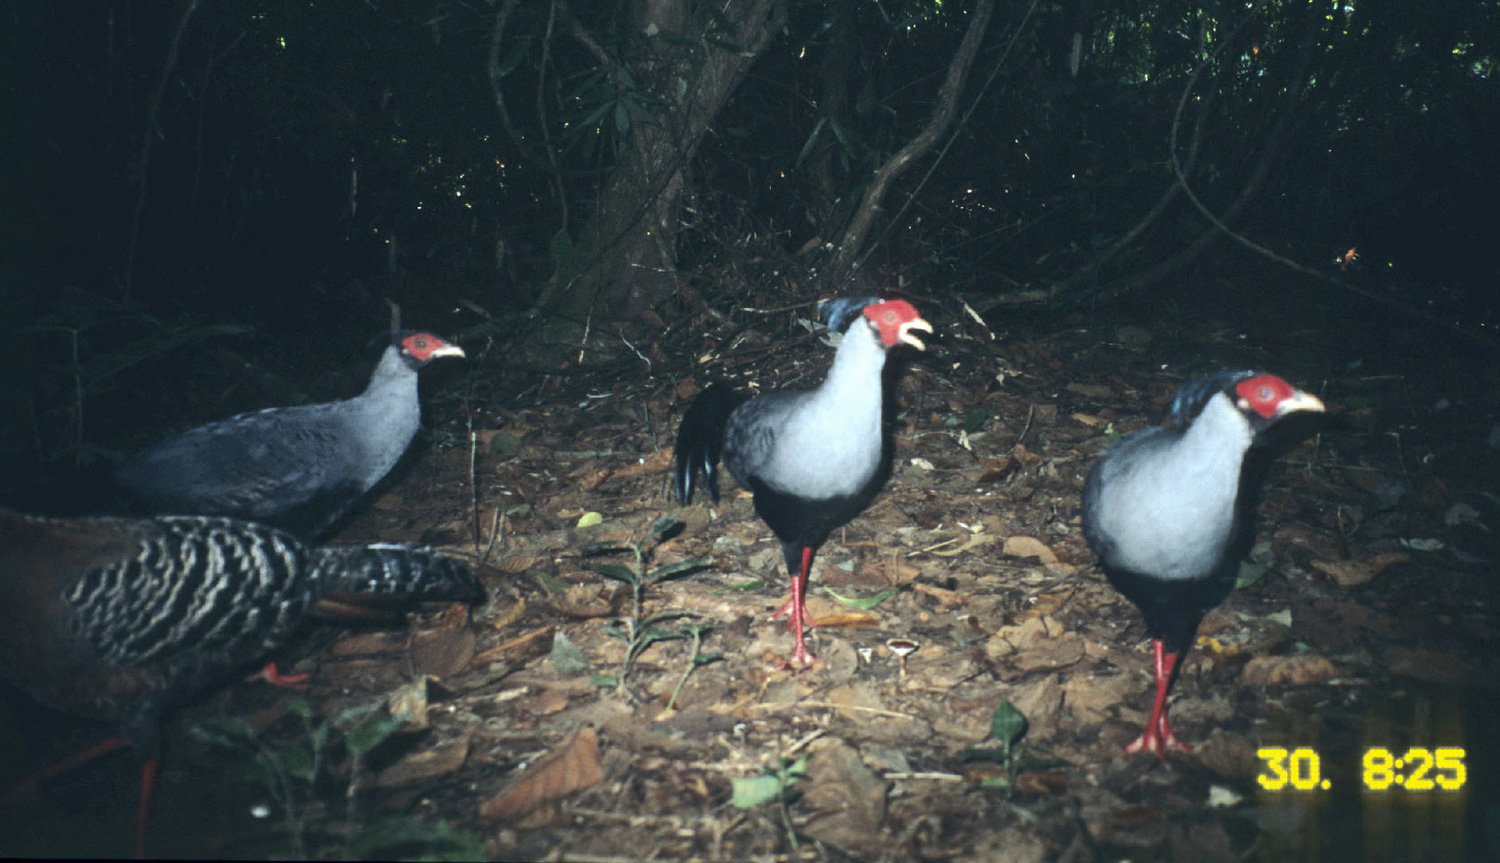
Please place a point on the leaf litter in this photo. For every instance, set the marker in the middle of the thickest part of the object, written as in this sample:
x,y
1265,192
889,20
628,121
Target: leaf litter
x,y
972,552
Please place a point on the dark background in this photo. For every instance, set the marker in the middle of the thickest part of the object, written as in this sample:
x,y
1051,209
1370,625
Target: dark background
x,y
195,230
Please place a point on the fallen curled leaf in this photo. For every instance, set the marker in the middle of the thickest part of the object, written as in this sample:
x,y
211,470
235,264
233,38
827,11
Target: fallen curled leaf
x,y
650,464
446,654
516,645
849,620
974,541
887,569
410,702
425,765
516,562
1288,670
1042,783
1028,546
995,469
1090,391
946,598
1022,455
572,766
593,479
584,601
515,612
1357,573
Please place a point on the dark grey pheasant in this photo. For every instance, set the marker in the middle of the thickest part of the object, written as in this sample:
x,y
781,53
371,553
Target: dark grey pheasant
x,y
127,620
813,459
300,468
1161,508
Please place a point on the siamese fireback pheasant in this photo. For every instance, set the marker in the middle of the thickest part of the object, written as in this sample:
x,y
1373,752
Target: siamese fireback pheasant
x,y
814,459
127,620
1161,509
299,468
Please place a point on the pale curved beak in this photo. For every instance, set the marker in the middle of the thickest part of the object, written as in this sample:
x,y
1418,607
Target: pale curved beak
x,y
905,335
1300,401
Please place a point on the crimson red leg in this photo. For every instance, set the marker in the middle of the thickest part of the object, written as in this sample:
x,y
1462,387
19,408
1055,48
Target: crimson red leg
x,y
31,783
1157,737
148,780
272,675
796,609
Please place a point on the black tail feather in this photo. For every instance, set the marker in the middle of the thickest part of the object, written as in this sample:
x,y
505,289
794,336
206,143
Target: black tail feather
x,y
396,571
700,439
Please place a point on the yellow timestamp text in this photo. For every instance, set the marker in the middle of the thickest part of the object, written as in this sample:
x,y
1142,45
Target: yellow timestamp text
x,y
1418,769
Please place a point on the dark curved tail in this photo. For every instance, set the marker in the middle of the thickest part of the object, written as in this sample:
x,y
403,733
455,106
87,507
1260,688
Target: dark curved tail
x,y
385,575
700,439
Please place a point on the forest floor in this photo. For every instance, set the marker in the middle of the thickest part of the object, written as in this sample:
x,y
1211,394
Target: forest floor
x,y
1368,618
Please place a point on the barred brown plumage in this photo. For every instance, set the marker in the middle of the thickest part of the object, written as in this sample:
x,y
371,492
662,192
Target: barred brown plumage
x,y
127,620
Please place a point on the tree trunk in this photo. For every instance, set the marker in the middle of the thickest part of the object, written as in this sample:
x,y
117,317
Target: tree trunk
x,y
846,256
624,261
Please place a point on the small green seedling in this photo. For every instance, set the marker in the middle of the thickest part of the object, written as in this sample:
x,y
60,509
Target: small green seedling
x,y
1007,727
292,771
774,784
636,631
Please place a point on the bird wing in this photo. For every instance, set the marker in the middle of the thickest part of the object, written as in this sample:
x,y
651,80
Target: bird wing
x,y
750,437
252,465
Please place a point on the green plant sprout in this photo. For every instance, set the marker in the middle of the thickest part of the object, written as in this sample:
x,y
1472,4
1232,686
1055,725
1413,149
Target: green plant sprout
x,y
696,660
1007,727
774,783
292,770
636,631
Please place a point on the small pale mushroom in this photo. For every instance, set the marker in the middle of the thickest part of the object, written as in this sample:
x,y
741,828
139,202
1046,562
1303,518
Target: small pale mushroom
x,y
902,647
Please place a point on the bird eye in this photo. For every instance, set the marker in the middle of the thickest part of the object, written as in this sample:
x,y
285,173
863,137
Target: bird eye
x,y
421,343
1265,393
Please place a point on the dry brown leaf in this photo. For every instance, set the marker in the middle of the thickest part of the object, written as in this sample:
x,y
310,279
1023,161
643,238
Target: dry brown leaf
x,y
445,652
1358,573
369,644
1436,667
1088,419
585,601
1021,454
654,463
946,598
410,701
977,540
847,620
515,645
1288,670
593,479
1090,391
572,766
1050,654
1028,546
512,614
516,563
1347,573
885,569
426,765
995,469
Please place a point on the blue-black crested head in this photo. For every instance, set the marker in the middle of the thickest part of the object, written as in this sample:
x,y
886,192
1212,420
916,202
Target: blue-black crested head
x,y
1194,393
837,313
